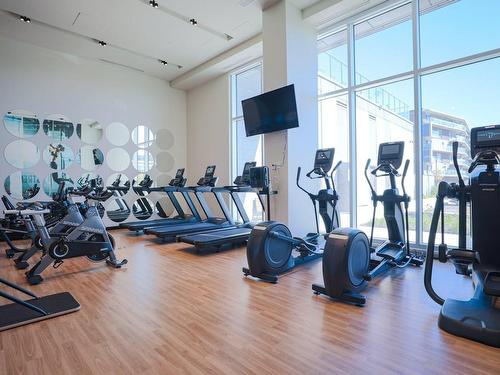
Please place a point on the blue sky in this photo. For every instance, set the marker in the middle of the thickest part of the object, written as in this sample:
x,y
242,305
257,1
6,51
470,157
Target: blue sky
x,y
457,30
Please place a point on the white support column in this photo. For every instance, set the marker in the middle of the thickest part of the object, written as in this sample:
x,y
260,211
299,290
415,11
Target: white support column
x,y
290,56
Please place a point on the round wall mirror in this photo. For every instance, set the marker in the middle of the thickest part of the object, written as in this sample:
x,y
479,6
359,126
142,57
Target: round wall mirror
x,y
141,182
164,207
89,157
22,185
51,183
142,136
142,208
119,183
164,161
117,134
164,139
118,159
89,179
143,160
22,154
58,156
89,131
117,210
58,127
22,124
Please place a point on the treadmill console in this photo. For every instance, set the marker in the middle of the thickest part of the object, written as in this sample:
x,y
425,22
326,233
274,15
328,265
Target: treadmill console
x,y
208,179
244,179
485,138
259,178
178,179
323,160
391,153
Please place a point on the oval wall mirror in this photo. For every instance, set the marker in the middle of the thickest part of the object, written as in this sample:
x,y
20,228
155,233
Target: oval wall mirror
x,y
142,208
89,131
142,136
164,207
22,185
58,127
164,139
51,183
89,179
22,154
58,156
118,159
141,182
21,123
119,183
117,134
143,160
117,210
164,161
90,157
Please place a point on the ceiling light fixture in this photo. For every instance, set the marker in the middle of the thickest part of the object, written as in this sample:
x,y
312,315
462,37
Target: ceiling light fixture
x,y
193,22
153,3
102,43
25,19
163,62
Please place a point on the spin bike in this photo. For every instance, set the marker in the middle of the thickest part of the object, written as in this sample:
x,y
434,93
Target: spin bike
x,y
89,239
271,246
478,318
348,264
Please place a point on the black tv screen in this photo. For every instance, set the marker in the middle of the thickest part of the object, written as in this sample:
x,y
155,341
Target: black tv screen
x,y
272,111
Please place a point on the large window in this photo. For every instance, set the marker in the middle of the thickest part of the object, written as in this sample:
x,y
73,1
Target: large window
x,y
421,71
245,84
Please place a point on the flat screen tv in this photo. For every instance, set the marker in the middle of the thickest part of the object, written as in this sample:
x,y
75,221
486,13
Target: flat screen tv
x,y
272,111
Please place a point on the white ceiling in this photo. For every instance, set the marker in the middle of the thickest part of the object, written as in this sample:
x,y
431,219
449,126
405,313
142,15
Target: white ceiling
x,y
137,35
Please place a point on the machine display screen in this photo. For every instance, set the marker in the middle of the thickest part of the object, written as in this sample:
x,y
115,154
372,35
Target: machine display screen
x,y
179,173
390,150
488,135
210,171
324,156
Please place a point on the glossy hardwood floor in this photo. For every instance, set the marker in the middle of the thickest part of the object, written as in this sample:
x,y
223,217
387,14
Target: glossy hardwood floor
x,y
171,311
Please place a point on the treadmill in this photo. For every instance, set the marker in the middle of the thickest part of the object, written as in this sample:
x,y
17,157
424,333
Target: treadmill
x,y
237,235
141,207
181,218
205,185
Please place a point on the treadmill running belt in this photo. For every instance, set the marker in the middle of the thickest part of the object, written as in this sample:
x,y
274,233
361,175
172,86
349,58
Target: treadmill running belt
x,y
180,229
15,315
216,237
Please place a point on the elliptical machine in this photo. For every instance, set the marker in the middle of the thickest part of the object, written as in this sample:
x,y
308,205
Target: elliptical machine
x,y
270,248
477,319
347,261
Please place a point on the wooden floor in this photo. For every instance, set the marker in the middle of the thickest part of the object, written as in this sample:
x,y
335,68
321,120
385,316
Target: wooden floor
x,y
171,311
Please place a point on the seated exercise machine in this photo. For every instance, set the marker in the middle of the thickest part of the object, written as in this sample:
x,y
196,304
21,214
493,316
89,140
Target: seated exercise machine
x,y
22,312
478,318
239,233
142,208
348,263
271,247
90,239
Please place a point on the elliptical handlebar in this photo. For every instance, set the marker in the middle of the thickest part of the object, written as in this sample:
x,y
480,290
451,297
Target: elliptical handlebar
x,y
405,170
455,164
368,179
299,169
333,171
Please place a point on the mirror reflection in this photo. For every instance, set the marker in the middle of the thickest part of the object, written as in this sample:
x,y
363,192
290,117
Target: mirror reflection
x,y
22,185
164,161
89,131
142,208
22,124
51,183
58,127
143,160
89,179
22,154
118,182
58,156
164,207
117,134
118,159
117,210
142,136
89,157
141,183
164,139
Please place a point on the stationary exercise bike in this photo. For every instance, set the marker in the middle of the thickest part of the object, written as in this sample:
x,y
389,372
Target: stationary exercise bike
x,y
271,246
347,261
89,239
477,319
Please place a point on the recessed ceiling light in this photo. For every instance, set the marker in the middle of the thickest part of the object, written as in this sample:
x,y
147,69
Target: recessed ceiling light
x,y
193,22
163,62
102,43
153,3
25,19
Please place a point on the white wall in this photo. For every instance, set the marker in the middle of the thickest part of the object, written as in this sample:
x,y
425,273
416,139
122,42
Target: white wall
x,y
48,82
